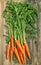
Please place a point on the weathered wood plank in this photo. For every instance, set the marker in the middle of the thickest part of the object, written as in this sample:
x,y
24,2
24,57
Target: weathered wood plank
x,y
0,35
36,55
39,45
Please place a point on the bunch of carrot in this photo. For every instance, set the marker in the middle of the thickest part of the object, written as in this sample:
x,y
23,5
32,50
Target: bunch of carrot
x,y
20,51
18,16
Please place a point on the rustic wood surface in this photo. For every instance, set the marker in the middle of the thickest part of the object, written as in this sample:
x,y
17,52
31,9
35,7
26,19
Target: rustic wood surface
x,y
35,48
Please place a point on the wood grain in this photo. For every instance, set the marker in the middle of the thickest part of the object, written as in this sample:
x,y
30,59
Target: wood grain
x,y
36,55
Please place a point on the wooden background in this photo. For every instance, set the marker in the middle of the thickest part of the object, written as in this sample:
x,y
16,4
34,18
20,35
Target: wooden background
x,y
35,48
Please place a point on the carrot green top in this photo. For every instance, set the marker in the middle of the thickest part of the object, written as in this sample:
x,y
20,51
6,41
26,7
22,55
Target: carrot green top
x,y
21,19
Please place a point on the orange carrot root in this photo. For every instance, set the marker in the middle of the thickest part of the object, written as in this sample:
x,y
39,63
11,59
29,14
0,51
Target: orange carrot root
x,y
20,54
10,54
24,57
27,50
12,42
19,46
17,55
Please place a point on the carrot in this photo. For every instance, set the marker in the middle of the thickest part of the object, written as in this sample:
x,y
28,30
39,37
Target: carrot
x,y
10,53
7,50
19,46
17,55
24,57
12,41
20,54
27,50
23,48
